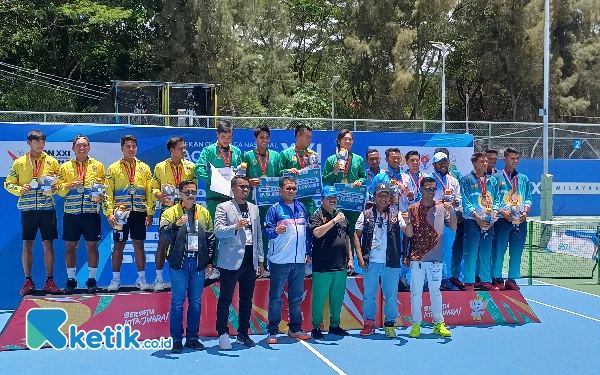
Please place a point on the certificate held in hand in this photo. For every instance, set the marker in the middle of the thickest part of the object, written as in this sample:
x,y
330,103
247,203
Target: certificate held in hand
x,y
220,180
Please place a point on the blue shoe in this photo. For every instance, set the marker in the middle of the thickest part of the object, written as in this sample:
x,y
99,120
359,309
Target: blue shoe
x,y
447,285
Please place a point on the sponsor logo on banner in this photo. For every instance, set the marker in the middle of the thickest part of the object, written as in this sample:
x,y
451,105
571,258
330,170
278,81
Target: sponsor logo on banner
x,y
47,326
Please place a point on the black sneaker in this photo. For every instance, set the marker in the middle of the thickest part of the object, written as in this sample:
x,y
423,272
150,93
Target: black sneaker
x,y
317,334
71,286
245,340
177,347
194,344
338,331
92,286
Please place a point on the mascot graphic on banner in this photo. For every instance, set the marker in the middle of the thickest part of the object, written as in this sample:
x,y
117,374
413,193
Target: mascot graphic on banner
x,y
478,306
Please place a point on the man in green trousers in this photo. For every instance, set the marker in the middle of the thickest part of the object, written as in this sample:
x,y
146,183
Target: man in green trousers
x,y
331,261
220,155
351,171
295,158
261,162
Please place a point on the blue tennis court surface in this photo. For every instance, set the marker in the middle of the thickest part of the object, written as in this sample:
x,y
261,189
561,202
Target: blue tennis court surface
x,y
565,342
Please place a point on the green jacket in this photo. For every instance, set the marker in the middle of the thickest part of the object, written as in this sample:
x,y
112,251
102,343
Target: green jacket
x,y
289,160
211,154
254,170
356,170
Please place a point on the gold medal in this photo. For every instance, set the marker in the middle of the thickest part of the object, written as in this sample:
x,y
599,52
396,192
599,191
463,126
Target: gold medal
x,y
344,180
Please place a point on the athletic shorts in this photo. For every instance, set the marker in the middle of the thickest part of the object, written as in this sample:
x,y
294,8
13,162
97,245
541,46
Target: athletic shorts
x,y
44,220
88,225
134,228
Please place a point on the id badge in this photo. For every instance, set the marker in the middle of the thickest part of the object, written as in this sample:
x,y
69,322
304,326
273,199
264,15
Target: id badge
x,y
192,241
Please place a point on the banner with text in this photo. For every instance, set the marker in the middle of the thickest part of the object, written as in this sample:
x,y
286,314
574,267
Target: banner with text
x,y
351,198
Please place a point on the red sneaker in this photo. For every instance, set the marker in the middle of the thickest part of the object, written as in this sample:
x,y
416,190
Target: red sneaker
x,y
368,328
50,287
457,283
488,287
469,288
28,287
499,283
510,284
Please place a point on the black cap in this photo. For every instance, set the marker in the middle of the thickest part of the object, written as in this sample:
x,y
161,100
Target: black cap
x,y
382,187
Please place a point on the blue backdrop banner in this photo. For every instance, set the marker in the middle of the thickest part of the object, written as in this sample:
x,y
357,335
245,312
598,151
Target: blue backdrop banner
x,y
105,147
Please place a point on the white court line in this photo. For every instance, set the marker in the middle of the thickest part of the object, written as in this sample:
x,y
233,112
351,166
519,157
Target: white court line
x,y
322,357
563,310
563,287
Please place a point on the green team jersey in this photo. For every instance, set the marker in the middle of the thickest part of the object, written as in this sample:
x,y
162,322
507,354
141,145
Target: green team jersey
x,y
356,170
212,155
289,159
254,169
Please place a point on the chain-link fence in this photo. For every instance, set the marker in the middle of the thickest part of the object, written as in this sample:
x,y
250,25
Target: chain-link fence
x,y
560,250
525,136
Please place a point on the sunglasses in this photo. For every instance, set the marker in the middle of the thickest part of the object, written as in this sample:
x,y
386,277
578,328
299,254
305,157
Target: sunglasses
x,y
291,188
244,187
187,193
429,189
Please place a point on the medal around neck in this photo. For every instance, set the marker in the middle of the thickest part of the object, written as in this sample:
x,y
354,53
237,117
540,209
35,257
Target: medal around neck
x,y
132,189
80,188
34,184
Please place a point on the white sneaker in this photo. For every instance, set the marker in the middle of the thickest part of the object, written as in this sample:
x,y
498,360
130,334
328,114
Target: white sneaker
x,y
225,342
115,284
215,275
266,274
141,284
159,285
307,271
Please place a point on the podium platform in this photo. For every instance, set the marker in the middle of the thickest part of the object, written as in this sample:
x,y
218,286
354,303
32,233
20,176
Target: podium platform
x,y
148,312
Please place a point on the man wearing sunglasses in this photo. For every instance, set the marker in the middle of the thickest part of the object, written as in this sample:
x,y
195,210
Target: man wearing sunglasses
x,y
426,223
377,244
237,226
188,229
332,259
289,251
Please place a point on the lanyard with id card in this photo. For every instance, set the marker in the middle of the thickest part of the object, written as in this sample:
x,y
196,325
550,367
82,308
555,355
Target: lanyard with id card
x,y
192,237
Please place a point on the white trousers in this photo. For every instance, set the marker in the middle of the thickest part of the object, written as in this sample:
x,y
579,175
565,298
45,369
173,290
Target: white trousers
x,y
433,272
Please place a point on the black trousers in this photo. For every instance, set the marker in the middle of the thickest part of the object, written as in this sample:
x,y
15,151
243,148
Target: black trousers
x,y
246,276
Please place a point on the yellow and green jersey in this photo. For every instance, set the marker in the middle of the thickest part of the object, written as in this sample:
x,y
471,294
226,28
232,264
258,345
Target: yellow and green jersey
x,y
22,173
136,196
92,171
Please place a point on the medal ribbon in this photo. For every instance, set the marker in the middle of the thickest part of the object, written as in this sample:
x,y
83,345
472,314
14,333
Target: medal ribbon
x,y
36,166
347,167
415,181
437,177
81,170
188,221
265,165
130,170
301,160
512,182
483,189
177,172
371,174
226,160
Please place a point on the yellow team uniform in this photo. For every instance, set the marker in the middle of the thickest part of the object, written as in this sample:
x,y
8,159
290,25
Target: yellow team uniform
x,y
22,172
163,174
118,185
78,203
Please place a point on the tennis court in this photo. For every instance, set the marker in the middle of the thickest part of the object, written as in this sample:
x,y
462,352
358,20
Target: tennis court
x,y
570,322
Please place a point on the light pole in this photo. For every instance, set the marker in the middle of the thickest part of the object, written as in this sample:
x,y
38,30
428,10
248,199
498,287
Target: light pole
x,y
334,80
444,51
545,112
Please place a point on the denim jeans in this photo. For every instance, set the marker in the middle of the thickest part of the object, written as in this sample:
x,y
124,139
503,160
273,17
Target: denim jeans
x,y
477,252
293,273
389,285
188,280
507,236
448,242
